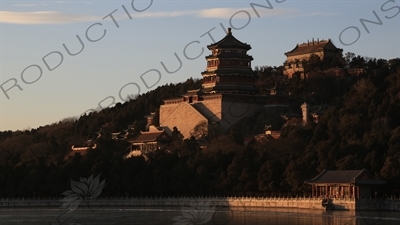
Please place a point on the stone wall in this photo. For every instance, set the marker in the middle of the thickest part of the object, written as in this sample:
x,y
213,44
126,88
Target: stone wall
x,y
237,202
212,109
227,110
183,116
235,110
306,56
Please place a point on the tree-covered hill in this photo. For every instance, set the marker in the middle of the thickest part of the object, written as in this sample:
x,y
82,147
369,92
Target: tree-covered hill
x,y
361,129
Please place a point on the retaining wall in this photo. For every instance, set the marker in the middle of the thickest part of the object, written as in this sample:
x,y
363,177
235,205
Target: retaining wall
x,y
238,202
299,203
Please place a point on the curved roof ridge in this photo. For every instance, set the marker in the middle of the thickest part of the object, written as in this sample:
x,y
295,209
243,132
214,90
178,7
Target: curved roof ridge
x,y
319,175
344,176
229,41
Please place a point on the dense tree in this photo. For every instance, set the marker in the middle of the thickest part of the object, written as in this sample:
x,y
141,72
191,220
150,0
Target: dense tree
x,y
361,129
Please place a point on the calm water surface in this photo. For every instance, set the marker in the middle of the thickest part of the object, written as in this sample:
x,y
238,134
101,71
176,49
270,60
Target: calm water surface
x,y
187,215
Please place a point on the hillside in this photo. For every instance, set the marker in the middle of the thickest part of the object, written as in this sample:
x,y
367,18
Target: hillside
x,y
361,129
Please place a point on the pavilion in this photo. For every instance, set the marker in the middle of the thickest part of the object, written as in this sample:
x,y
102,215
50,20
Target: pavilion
x,y
344,184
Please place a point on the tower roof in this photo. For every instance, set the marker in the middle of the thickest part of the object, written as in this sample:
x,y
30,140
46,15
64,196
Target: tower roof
x,y
345,177
312,47
154,134
229,41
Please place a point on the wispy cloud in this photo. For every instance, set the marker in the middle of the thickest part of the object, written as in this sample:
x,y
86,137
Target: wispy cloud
x,y
43,17
237,13
38,4
29,4
53,17
227,13
217,13
164,14
303,14
25,5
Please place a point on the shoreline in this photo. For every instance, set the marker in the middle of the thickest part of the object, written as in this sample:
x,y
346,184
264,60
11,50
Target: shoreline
x,y
237,202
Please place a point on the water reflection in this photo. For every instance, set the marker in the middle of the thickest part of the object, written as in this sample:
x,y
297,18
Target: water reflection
x,y
278,216
161,215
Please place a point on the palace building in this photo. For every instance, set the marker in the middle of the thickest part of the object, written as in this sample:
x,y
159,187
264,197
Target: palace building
x,y
228,91
344,184
149,140
324,49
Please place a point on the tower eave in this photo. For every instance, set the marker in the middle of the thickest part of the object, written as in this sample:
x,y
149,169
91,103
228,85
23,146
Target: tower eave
x,y
229,41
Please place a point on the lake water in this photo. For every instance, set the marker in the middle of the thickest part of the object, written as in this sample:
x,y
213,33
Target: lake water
x,y
191,215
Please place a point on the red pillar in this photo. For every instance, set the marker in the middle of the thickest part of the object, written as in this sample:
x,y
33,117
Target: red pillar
x,y
349,190
326,190
312,190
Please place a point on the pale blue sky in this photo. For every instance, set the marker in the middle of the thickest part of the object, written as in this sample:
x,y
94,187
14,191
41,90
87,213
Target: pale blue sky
x,y
29,30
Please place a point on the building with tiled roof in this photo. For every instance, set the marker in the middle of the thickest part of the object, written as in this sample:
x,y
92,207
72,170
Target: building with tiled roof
x,y
228,91
150,140
317,112
229,67
324,49
81,150
292,119
344,183
147,141
268,133
229,94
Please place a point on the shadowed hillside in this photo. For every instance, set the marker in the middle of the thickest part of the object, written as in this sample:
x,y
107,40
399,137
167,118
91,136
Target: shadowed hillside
x,y
360,129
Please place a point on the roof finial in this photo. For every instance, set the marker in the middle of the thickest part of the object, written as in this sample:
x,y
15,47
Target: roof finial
x,y
229,30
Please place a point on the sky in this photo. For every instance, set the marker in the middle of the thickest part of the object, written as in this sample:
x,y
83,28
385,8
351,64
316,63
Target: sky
x,y
60,59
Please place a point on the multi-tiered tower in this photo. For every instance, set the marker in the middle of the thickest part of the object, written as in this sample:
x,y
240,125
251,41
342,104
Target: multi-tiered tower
x,y
229,67
227,93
